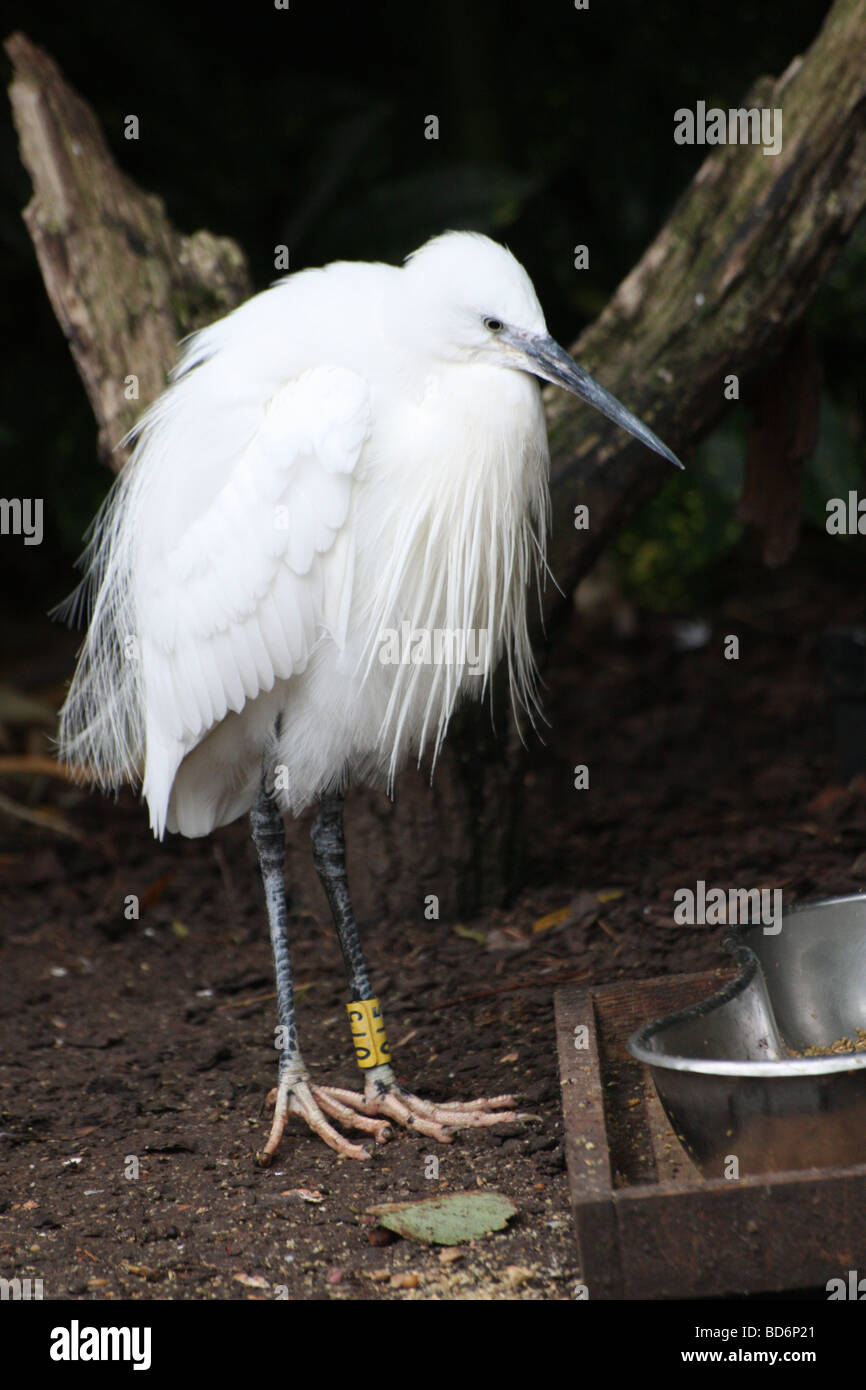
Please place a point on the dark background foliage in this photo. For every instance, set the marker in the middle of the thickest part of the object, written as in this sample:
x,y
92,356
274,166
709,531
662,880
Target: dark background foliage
x,y
306,127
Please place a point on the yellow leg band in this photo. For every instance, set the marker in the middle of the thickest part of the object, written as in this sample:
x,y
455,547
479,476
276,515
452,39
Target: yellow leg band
x,y
368,1033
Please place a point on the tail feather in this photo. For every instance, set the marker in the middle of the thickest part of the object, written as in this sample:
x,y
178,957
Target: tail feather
x,y
101,729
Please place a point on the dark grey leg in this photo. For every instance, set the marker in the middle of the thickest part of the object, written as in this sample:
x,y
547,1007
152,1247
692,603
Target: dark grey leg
x,y
269,838
329,857
295,1094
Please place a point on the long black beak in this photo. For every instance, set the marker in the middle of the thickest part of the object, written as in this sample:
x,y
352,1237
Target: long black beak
x,y
552,363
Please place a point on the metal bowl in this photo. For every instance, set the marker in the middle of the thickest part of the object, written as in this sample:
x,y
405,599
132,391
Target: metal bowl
x,y
723,1069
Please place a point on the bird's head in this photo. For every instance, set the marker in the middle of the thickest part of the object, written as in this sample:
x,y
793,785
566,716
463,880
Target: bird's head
x,y
481,306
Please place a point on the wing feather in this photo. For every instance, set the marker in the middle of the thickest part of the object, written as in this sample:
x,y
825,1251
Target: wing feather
x,y
224,587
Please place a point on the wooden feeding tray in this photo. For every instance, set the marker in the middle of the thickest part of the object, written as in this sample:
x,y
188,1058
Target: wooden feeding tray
x,y
648,1224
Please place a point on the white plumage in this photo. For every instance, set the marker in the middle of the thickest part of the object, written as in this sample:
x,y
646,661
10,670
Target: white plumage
x,y
341,454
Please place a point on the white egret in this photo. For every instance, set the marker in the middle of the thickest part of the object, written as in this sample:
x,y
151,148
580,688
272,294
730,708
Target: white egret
x,y
357,448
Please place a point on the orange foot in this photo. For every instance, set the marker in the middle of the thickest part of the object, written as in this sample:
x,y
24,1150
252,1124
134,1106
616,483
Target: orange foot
x,y
383,1100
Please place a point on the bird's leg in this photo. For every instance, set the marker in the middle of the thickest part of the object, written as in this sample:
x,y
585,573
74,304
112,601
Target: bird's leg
x,y
382,1093
295,1094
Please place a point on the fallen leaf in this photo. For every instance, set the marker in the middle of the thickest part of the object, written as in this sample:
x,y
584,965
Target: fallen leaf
x,y
148,1272
584,905
450,1220
551,919
470,933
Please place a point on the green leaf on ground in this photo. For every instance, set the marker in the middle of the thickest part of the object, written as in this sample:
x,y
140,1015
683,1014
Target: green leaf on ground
x,y
450,1220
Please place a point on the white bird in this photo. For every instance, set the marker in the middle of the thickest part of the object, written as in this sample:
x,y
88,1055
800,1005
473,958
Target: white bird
x,y
360,451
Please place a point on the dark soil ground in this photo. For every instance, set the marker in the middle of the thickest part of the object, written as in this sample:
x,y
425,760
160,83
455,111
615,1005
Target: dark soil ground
x,y
147,1045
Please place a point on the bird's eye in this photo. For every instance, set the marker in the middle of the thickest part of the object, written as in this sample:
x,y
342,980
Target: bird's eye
x,y
494,325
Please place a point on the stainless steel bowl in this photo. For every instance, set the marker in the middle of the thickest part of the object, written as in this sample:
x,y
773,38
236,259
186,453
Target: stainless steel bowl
x,y
723,1069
